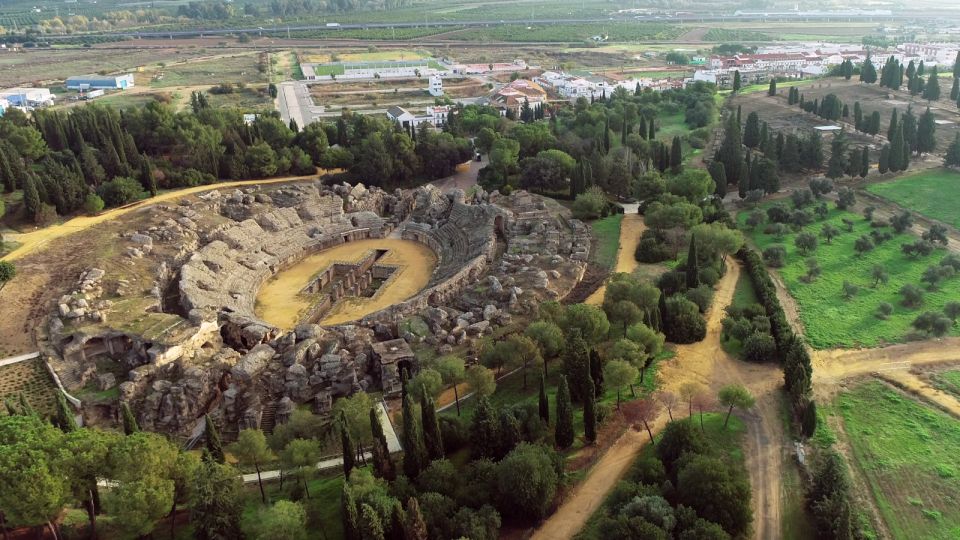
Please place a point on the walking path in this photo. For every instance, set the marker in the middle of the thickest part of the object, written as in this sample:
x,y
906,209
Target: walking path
x,y
393,446
31,241
706,363
631,228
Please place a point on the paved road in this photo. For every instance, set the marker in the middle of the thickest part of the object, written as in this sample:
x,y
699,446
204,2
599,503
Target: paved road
x,y
294,101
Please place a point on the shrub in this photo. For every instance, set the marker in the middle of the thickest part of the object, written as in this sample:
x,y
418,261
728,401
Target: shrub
x,y
652,250
590,204
701,296
683,322
92,204
775,256
454,431
884,310
120,191
759,347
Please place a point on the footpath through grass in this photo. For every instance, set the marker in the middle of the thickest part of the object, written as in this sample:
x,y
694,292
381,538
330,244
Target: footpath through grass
x,y
607,232
829,319
910,455
934,193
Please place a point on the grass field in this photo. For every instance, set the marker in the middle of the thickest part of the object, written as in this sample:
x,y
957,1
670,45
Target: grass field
x,y
231,69
910,456
607,231
367,56
832,321
934,193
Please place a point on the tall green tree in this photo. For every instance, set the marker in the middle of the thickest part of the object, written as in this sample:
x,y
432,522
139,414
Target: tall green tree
x,y
543,403
431,428
214,443
931,91
414,453
130,425
926,133
65,418
751,131
563,430
217,502
347,446
251,449
952,159
483,430
693,264
736,81
590,414
772,90
838,163
349,514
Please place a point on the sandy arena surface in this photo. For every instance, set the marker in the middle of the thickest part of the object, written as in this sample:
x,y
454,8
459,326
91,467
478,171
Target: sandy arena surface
x,y
279,302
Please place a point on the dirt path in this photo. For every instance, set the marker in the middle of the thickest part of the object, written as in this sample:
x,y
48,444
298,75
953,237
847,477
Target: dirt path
x,y
31,241
465,177
913,384
630,230
708,364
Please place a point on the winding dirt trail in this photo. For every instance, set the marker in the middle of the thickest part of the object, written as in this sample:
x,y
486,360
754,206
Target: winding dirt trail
x,y
707,364
32,241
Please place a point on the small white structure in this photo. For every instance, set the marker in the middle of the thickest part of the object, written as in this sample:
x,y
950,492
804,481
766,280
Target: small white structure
x,y
401,116
436,86
4,105
28,97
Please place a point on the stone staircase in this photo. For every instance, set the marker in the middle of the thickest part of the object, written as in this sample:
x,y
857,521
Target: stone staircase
x,y
269,418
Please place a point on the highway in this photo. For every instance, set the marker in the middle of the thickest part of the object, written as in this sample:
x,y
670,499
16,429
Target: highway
x,y
681,19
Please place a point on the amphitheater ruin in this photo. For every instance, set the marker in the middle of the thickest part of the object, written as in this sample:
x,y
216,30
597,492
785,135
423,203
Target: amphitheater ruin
x,y
243,304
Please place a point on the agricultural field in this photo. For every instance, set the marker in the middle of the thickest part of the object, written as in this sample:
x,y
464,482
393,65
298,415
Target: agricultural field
x,y
933,193
909,454
32,379
566,33
367,56
831,320
237,68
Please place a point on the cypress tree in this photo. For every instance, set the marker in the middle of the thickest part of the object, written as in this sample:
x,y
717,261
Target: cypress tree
x,y
416,527
214,445
864,162
590,416
576,358
347,446
956,67
892,129
382,463
931,92
739,112
926,133
884,162
31,197
606,134
6,172
348,512
643,127
676,156
751,132
897,151
130,425
483,431
544,402
955,89
736,81
623,132
147,179
772,91
952,159
731,152
66,421
857,116
25,408
414,454
431,428
596,373
693,265
398,523
651,129
563,431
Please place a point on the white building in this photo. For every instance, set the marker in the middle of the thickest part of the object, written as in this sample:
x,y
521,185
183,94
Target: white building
x,y
4,105
436,86
112,82
939,53
436,116
28,97
399,69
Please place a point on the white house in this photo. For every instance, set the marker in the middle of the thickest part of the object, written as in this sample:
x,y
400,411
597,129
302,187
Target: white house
x,y
436,86
94,82
28,97
436,116
402,116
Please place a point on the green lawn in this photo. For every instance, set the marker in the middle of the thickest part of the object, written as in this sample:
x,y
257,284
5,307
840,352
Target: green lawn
x,y
328,69
910,456
832,321
934,193
607,232
744,294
